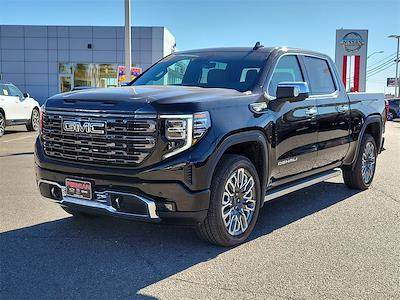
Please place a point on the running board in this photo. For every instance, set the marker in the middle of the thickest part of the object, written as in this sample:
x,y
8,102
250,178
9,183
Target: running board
x,y
300,184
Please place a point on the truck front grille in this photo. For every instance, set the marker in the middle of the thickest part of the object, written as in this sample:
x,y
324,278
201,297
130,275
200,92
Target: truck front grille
x,y
123,139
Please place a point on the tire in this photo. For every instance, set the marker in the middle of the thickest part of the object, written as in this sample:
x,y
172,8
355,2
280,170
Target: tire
x,y
354,177
34,122
214,228
76,213
2,124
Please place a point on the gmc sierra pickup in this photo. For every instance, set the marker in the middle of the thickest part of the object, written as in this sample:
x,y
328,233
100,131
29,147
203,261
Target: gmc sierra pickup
x,y
205,137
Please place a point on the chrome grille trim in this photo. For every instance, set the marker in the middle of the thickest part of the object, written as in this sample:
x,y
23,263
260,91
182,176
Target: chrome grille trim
x,y
128,139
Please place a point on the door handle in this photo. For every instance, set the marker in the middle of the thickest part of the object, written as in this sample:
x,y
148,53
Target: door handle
x,y
311,111
342,108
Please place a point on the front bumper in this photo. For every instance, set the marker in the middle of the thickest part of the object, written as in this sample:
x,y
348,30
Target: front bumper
x,y
102,202
147,200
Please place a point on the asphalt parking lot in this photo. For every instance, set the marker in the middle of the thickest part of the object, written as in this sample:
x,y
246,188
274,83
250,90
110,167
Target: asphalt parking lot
x,y
325,241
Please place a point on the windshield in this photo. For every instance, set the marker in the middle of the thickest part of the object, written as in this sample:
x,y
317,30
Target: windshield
x,y
233,70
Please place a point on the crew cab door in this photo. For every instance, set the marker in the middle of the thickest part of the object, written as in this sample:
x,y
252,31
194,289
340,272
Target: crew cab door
x,y
296,124
9,103
23,107
333,111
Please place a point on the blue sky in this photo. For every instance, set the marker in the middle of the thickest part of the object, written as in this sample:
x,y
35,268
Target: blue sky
x,y
309,24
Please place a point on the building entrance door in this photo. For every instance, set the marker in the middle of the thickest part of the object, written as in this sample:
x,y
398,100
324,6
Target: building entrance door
x,y
65,83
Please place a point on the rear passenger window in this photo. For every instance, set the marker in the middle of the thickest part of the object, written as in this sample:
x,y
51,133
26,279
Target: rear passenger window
x,y
320,76
287,70
4,90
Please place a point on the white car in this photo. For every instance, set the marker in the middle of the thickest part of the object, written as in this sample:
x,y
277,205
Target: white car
x,y
17,108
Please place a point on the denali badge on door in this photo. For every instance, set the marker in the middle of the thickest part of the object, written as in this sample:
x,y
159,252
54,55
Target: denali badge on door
x,y
78,189
84,127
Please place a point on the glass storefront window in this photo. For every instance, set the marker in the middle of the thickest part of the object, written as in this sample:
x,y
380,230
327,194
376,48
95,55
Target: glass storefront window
x,y
65,68
107,75
65,83
83,75
91,75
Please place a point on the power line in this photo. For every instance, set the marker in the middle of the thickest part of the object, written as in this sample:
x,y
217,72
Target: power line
x,y
380,66
385,58
387,67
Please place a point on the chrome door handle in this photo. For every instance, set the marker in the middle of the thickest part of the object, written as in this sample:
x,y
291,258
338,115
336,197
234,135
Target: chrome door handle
x,y
311,111
342,108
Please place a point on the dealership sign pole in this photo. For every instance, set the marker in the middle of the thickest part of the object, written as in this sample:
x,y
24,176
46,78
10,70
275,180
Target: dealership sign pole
x,y
128,55
351,45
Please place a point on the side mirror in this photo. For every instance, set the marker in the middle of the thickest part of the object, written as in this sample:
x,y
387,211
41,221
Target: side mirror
x,y
26,95
292,91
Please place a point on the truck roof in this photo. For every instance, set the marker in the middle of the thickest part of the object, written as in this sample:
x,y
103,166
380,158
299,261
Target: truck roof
x,y
249,49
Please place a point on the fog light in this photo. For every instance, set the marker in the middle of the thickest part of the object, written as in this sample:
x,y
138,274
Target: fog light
x,y
170,206
55,192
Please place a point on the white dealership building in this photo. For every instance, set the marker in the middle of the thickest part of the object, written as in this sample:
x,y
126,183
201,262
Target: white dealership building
x,y
46,60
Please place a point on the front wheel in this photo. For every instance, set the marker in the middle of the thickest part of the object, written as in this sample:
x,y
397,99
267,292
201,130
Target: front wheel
x,y
234,202
360,176
34,121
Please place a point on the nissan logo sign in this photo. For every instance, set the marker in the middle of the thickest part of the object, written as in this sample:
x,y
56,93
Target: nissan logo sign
x,y
84,127
352,42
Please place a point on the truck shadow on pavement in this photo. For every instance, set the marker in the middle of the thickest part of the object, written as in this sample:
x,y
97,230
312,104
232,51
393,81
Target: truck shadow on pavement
x,y
108,258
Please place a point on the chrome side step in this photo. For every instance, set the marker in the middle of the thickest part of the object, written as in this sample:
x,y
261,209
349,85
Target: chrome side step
x,y
300,184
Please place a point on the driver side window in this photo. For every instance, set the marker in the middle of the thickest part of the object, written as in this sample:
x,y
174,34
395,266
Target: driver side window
x,y
287,70
14,91
173,75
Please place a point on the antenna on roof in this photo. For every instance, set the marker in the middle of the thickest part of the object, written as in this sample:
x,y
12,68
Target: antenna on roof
x,y
257,46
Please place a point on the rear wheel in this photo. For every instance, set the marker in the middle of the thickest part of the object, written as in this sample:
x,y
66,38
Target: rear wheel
x,y
360,176
234,202
2,124
35,121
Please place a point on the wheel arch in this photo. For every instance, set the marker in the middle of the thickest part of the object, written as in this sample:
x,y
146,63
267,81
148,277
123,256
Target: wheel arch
x,y
373,125
4,113
251,144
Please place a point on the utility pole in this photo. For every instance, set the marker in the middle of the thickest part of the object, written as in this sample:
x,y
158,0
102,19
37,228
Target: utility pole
x,y
128,44
396,88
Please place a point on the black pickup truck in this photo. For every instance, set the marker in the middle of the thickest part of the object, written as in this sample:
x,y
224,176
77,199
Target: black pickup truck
x,y
205,137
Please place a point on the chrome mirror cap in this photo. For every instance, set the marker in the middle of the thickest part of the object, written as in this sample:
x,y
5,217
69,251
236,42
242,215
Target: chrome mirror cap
x,y
292,91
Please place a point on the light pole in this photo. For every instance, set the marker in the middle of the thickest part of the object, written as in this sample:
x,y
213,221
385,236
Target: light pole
x,y
376,52
128,45
396,88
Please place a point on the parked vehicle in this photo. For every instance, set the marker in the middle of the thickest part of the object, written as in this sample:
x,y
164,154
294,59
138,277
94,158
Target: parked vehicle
x,y
206,137
394,109
17,108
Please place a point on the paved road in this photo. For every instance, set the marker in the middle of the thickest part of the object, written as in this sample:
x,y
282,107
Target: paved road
x,y
322,242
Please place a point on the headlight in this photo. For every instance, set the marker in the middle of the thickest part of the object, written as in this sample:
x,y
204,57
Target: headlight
x,y
183,131
42,111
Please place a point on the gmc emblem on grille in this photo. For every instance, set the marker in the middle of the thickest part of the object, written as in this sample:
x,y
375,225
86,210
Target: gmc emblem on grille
x,y
84,127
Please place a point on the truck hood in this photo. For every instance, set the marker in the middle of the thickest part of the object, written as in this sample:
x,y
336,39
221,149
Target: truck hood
x,y
145,99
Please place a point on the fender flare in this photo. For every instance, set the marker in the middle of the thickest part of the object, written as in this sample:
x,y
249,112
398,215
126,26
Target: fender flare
x,y
242,137
3,112
369,120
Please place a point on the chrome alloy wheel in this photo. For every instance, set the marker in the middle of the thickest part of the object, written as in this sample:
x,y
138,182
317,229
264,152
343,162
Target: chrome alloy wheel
x,y
238,201
35,119
368,162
